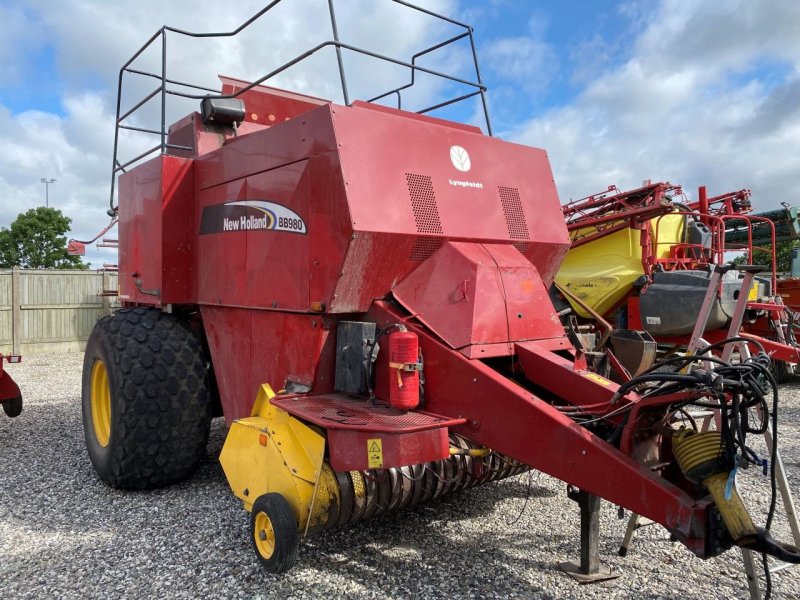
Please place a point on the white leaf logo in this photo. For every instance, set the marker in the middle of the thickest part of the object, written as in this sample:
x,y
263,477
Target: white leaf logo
x,y
460,158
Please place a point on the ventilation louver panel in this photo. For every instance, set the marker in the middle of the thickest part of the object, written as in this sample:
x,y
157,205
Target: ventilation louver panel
x,y
515,216
183,136
423,202
424,247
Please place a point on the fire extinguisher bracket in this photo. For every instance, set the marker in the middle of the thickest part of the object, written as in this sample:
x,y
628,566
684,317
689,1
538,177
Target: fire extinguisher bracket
x,y
410,367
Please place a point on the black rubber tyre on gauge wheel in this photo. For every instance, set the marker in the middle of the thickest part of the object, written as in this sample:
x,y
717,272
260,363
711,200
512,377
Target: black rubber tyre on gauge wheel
x,y
273,531
145,399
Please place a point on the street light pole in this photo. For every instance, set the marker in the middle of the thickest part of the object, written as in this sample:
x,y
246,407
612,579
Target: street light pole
x,y
47,183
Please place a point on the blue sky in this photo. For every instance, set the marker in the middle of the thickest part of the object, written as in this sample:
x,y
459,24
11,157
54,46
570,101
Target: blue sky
x,y
568,31
689,91
560,43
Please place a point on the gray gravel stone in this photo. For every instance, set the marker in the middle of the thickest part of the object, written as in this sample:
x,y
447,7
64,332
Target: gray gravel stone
x,y
64,534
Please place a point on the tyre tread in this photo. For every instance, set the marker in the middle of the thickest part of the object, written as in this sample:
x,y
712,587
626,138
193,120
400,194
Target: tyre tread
x,y
160,381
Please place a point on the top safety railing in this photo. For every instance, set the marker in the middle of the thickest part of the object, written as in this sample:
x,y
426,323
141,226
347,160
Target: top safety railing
x,y
718,225
167,86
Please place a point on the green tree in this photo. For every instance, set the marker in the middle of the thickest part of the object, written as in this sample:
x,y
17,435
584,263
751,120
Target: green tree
x,y
783,256
36,240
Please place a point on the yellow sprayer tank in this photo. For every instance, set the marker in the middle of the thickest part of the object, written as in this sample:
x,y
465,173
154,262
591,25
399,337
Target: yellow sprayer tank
x,y
602,272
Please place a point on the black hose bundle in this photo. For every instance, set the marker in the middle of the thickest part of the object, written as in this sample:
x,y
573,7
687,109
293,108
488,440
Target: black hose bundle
x,y
740,391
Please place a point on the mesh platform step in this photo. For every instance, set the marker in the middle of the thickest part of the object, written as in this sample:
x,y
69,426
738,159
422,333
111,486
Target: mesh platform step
x,y
343,411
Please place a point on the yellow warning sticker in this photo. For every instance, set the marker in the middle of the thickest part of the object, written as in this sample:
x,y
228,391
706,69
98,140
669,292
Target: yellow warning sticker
x,y
375,453
597,378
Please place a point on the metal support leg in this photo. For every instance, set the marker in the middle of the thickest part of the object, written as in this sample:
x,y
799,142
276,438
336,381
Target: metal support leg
x,y
633,525
695,342
786,493
750,567
738,313
589,570
749,559
590,533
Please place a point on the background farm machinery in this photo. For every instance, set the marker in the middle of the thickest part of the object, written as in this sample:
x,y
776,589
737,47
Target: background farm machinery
x,y
362,292
10,396
644,259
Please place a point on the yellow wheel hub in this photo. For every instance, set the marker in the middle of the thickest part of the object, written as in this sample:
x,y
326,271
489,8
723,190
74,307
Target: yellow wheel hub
x,y
101,403
264,535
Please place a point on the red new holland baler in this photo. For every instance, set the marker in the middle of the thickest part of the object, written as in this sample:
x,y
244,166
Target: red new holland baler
x,y
362,292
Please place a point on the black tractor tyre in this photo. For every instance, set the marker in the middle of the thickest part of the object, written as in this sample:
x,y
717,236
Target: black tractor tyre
x,y
274,534
780,371
145,399
13,407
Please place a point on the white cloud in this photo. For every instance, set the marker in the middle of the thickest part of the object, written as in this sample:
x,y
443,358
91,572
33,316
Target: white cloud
x,y
524,60
709,95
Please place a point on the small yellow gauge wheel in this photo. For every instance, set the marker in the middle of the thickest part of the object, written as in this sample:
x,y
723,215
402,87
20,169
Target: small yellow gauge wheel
x,y
273,530
100,402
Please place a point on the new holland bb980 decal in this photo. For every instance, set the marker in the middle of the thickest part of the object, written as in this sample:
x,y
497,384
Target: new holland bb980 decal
x,y
250,215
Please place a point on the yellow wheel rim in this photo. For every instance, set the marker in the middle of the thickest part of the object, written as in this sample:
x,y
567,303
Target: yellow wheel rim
x,y
101,403
264,535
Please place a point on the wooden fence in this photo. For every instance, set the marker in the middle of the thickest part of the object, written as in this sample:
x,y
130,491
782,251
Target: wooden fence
x,y
50,310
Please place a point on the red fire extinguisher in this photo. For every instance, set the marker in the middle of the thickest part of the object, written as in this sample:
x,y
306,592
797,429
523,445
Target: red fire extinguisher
x,y
404,370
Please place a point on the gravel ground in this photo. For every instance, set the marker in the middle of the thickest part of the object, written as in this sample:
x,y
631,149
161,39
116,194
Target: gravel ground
x,y
64,534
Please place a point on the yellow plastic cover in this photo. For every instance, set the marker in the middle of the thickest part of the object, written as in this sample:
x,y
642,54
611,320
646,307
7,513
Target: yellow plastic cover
x,y
601,273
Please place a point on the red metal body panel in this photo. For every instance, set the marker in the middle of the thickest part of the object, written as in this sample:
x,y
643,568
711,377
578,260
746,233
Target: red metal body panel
x,y
789,291
304,137
272,107
480,294
401,180
349,449
349,190
161,258
266,268
417,116
339,167
251,347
